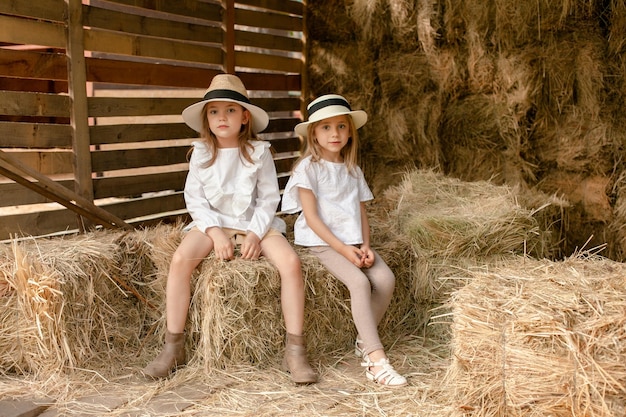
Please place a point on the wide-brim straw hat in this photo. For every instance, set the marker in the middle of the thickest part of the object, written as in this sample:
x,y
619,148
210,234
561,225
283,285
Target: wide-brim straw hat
x,y
330,105
225,87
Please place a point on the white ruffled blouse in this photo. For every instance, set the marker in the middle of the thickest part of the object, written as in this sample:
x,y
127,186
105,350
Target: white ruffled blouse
x,y
339,195
233,193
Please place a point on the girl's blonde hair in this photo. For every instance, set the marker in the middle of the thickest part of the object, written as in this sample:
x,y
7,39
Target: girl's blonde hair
x,y
246,134
350,152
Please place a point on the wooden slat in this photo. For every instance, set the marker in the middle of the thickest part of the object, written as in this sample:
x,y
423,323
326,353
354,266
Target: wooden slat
x,y
133,106
34,104
33,85
284,6
55,221
36,223
147,206
46,162
35,135
30,32
125,72
265,41
291,144
14,194
40,9
281,125
150,74
134,45
270,82
13,169
273,104
108,134
32,64
141,25
265,19
285,164
268,62
195,9
103,161
138,184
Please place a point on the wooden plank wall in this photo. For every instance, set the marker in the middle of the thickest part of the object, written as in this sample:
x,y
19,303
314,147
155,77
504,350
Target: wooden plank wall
x,y
91,93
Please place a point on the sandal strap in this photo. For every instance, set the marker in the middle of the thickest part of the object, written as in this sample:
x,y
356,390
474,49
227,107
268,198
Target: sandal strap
x,y
389,375
368,363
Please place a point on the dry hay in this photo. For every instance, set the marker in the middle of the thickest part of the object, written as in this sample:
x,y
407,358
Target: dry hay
x,y
449,224
384,22
92,300
333,70
483,138
407,109
330,21
65,307
511,25
245,323
540,338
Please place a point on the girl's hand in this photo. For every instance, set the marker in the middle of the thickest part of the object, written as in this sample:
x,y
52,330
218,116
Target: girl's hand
x,y
222,245
251,246
368,256
353,254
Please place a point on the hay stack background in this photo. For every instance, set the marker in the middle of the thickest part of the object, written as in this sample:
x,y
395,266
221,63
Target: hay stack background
x,y
525,93
541,338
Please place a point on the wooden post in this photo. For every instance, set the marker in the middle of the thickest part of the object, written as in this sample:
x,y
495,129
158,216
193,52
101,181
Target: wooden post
x,y
304,71
77,85
229,36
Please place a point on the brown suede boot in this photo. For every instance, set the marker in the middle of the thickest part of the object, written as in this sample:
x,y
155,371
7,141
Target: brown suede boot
x,y
296,362
171,357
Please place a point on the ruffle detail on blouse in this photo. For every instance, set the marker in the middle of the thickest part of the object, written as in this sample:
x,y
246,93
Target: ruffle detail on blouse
x,y
246,184
241,200
291,199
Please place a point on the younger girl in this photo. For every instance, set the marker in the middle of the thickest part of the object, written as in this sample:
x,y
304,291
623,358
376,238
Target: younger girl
x,y
232,194
330,190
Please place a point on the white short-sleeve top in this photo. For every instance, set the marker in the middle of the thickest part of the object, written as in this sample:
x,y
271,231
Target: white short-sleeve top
x,y
339,195
233,193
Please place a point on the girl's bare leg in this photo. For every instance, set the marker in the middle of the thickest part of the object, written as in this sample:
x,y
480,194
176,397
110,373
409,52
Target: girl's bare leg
x,y
278,250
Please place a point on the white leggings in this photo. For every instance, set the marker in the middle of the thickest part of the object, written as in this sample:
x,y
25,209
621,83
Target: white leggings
x,y
370,289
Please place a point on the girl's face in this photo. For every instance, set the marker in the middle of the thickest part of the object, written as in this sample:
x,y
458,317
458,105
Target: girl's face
x,y
332,134
225,119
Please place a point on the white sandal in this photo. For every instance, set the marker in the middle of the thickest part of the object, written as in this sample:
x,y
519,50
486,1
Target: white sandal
x,y
387,376
357,349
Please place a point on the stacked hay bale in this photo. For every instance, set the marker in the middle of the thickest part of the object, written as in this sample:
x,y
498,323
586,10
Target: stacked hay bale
x,y
451,225
525,93
535,337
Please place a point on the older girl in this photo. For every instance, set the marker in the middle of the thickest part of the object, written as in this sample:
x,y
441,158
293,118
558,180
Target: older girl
x,y
232,194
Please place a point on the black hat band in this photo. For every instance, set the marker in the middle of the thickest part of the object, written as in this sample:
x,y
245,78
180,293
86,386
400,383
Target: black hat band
x,y
329,102
228,94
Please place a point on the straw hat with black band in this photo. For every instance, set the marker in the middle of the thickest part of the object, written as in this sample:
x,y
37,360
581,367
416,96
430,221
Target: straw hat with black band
x,y
330,105
225,87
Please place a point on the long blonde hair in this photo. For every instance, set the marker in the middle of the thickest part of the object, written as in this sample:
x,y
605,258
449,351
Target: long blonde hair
x,y
350,152
246,134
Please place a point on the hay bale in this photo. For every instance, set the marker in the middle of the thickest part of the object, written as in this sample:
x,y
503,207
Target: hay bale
x,y
484,138
65,307
451,224
345,68
540,337
235,316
